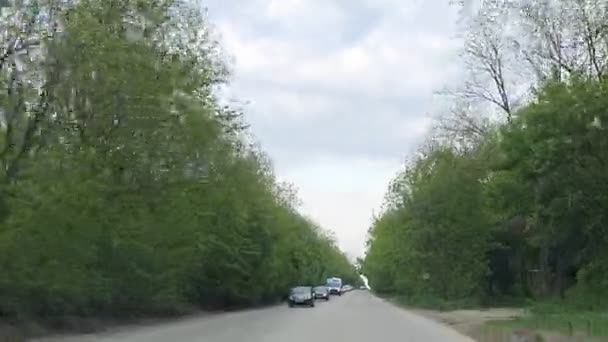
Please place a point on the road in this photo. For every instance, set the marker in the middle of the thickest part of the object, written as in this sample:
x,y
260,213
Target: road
x,y
353,317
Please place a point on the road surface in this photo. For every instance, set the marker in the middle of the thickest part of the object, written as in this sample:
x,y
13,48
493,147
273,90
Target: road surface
x,y
353,317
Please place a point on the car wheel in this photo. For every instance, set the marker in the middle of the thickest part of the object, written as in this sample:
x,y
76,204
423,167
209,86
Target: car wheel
x,y
312,304
290,304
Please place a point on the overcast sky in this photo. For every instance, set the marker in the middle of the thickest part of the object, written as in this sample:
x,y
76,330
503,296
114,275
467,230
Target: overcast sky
x,y
340,93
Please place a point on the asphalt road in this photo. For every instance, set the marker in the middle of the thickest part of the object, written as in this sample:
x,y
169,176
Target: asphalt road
x,y
353,317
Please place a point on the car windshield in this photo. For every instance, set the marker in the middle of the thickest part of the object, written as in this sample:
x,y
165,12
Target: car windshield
x,y
300,290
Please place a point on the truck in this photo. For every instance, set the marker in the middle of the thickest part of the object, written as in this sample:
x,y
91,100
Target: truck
x,y
334,284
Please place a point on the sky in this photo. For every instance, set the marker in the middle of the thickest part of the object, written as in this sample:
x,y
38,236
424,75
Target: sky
x,y
339,93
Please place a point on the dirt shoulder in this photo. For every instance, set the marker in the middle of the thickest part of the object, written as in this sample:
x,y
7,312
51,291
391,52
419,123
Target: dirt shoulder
x,y
473,323
470,322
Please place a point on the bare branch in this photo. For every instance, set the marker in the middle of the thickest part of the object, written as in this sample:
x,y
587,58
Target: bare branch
x,y
485,56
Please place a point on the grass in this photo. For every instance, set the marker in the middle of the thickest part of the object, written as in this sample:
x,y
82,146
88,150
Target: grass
x,y
434,303
551,317
592,324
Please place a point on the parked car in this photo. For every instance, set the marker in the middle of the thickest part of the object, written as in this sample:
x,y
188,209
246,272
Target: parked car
x,y
321,292
347,288
301,295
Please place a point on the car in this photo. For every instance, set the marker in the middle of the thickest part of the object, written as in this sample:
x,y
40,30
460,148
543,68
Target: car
x,y
301,295
347,288
321,292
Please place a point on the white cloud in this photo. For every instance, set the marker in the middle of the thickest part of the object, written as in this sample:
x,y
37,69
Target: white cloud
x,y
416,127
290,104
306,16
381,65
257,57
283,8
340,91
388,61
342,193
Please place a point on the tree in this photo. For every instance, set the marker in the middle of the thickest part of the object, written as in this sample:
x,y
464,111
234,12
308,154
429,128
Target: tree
x,y
132,189
421,238
522,196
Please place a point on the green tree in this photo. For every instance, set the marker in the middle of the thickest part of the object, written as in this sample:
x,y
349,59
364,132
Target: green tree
x,y
132,189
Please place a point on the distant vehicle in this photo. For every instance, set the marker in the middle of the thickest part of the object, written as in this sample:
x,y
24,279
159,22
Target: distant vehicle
x,y
347,288
321,292
362,287
335,285
301,295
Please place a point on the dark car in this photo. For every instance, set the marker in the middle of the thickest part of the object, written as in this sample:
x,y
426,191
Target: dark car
x,y
301,295
321,292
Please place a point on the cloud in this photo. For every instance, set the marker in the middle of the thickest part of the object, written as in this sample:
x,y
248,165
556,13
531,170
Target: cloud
x,y
345,193
296,127
339,92
385,63
303,16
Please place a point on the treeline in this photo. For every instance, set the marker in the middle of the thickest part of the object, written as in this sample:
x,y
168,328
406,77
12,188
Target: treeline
x,y
126,187
515,207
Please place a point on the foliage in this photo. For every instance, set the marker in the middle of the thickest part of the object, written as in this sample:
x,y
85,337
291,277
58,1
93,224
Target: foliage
x,y
527,205
441,212
127,188
587,324
516,209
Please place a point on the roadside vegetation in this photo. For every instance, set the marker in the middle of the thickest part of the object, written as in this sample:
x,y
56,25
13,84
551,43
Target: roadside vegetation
x,y
127,188
556,319
506,200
